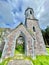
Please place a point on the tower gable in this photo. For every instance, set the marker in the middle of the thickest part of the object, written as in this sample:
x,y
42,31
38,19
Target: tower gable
x,y
29,13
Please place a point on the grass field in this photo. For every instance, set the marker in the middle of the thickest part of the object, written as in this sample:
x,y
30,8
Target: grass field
x,y
40,60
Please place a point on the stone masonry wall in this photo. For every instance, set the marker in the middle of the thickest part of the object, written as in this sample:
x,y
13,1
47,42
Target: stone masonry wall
x,y
39,45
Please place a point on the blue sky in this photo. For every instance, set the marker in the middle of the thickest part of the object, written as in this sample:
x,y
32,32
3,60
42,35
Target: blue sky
x,y
12,12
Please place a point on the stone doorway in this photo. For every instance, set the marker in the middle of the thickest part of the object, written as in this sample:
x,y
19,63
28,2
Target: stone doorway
x,y
20,45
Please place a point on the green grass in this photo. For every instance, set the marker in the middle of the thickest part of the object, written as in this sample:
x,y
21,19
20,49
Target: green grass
x,y
19,49
40,60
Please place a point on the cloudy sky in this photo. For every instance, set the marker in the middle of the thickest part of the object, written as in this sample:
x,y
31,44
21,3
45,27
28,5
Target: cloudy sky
x,y
12,12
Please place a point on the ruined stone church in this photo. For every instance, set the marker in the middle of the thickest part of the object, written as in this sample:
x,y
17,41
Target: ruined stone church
x,y
30,32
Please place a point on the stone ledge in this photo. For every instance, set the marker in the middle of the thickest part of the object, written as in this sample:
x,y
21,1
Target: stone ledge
x,y
20,62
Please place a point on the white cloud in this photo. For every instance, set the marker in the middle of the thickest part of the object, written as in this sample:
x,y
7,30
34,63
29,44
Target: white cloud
x,y
17,9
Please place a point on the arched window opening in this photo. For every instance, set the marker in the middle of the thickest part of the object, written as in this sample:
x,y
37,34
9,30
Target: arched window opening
x,y
33,28
30,12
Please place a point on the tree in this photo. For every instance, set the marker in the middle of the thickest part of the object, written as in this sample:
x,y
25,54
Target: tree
x,y
45,34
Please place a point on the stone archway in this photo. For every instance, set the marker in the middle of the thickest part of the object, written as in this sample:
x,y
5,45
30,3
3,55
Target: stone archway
x,y
9,47
20,45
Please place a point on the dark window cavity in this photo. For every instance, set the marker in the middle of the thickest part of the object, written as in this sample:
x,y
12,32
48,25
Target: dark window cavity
x,y
30,12
33,28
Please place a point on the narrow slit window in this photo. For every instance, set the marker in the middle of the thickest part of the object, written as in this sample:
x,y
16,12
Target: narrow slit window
x,y
30,12
34,29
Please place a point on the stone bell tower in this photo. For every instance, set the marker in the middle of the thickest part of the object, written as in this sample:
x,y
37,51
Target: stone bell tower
x,y
33,27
